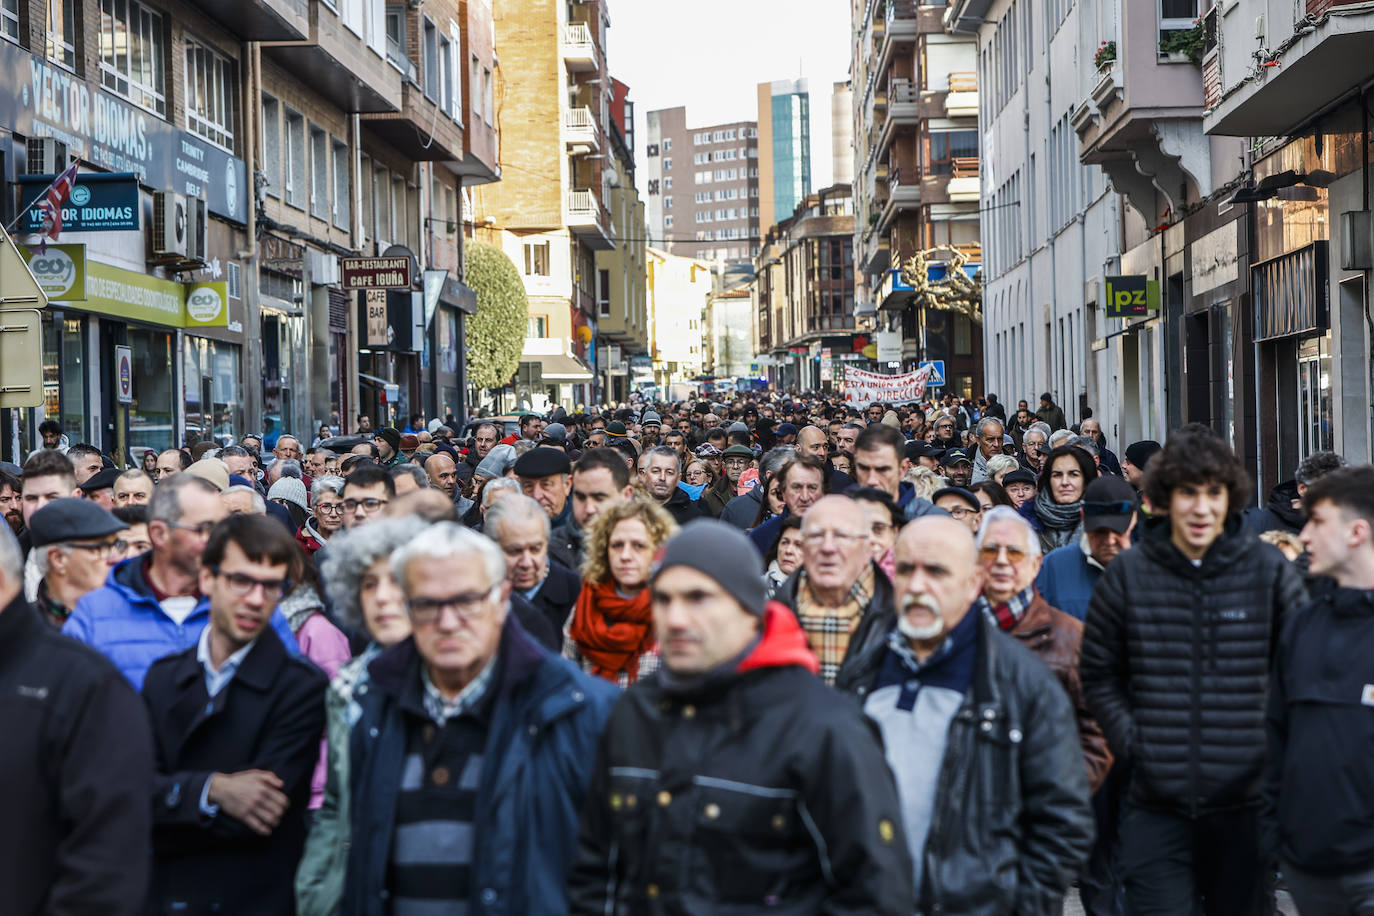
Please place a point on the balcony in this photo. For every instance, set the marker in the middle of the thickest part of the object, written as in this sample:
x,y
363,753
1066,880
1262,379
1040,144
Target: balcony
x,y
962,100
421,130
1321,63
579,49
904,193
338,64
580,131
587,219
896,34
903,111
260,20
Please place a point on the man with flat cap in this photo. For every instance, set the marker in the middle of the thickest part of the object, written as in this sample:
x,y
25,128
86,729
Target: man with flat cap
x,y
99,487
72,539
708,795
545,476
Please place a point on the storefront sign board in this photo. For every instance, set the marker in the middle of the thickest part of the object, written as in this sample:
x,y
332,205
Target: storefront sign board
x,y
59,269
97,203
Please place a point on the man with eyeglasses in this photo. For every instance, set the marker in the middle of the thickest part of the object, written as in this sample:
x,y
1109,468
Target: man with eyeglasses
x,y
838,585
151,605
1033,445
236,725
473,747
961,504
72,540
980,737
367,490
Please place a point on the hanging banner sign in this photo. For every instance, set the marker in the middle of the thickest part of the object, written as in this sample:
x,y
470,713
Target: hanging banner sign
x,y
59,269
1131,296
863,388
376,273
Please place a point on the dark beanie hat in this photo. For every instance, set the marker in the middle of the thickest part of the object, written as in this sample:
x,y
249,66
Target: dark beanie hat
x,y
392,435
1140,453
723,552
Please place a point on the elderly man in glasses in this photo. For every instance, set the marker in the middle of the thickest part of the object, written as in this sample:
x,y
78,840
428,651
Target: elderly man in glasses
x,y
236,727
473,747
151,605
72,540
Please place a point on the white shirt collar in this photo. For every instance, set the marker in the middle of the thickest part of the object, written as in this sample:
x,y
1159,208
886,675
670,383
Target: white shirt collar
x,y
217,680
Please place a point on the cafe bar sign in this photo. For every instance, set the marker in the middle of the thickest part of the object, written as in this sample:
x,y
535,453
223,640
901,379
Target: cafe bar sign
x,y
116,136
375,273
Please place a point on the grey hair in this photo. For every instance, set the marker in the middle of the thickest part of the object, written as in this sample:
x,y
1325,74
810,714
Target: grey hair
x,y
1034,430
1008,514
986,421
1042,427
999,463
288,467
661,451
1316,465
444,540
516,508
325,483
1086,443
773,459
235,451
165,505
413,471
259,504
499,485
1059,437
351,553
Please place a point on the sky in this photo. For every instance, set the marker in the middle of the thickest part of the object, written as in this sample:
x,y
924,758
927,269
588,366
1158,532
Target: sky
x,y
710,55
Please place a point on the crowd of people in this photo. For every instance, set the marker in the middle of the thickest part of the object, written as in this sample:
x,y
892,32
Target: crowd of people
x,y
777,654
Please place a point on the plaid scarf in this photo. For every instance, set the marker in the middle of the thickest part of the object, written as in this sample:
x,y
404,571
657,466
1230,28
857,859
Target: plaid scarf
x,y
828,629
1009,614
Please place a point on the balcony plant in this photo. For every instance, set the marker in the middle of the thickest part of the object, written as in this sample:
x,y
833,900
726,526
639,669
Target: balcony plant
x,y
1188,43
1106,53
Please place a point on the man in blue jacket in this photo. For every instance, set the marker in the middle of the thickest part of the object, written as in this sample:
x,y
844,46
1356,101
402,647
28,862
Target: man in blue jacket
x,y
473,749
1319,786
150,605
1069,573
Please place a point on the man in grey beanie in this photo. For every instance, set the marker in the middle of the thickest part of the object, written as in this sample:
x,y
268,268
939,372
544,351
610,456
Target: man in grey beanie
x,y
735,731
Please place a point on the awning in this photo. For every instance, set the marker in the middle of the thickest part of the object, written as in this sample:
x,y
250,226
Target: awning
x,y
559,368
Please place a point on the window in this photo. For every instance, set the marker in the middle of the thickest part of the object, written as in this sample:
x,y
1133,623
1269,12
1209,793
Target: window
x,y
668,222
396,35
603,287
294,160
9,19
667,144
61,32
667,164
474,88
488,99
319,173
947,146
429,52
667,203
539,326
668,184
131,53
1174,16
381,193
537,263
445,89
343,199
209,95
271,145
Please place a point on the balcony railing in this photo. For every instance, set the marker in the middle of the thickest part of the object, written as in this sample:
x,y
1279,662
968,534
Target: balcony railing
x,y
963,81
964,167
579,50
901,9
580,129
902,91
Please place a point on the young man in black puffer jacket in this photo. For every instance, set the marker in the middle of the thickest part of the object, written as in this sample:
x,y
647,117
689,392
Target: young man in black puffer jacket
x,y
1175,665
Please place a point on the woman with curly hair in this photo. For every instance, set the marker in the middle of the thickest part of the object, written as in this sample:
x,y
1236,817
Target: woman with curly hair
x,y
611,633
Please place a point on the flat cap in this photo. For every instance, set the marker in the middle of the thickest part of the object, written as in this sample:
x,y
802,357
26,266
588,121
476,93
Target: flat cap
x,y
969,498
101,480
71,519
555,432
739,426
543,462
738,451
1020,475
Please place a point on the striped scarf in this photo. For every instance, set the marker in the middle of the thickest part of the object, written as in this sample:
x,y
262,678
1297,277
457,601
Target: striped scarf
x,y
828,629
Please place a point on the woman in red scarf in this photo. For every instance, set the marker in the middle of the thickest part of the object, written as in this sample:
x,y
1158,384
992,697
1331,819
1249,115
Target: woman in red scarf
x,y
611,633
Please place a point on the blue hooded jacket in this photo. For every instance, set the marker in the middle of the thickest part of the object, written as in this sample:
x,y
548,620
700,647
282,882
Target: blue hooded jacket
x,y
124,621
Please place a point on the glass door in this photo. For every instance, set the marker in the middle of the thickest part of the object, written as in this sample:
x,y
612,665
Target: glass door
x,y
1314,395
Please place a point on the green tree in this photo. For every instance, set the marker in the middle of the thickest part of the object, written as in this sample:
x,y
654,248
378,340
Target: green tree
x,y
496,334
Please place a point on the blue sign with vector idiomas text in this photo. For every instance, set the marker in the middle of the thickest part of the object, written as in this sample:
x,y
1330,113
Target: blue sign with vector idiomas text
x,y
98,202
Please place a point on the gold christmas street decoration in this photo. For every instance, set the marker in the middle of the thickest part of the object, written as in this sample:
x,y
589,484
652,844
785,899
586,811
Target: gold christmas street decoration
x,y
955,292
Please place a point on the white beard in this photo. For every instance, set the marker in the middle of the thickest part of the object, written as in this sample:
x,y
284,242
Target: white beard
x,y
920,634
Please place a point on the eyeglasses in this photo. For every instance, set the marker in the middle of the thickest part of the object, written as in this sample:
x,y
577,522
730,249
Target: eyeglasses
x,y
203,529
962,512
369,505
242,584
992,552
740,463
329,508
842,538
102,549
467,606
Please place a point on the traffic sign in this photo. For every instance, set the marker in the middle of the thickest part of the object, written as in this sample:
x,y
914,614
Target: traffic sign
x,y
937,372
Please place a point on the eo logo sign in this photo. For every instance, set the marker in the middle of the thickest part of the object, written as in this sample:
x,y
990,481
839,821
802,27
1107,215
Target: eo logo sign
x,y
204,304
81,195
55,272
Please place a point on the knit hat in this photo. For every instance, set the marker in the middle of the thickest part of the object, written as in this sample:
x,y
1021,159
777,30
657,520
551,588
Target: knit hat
x,y
615,428
650,419
738,426
212,469
392,435
498,461
556,433
1140,453
722,552
291,489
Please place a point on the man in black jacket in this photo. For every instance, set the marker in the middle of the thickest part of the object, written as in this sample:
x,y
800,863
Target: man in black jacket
x,y
733,780
520,527
981,737
1319,785
660,471
599,478
237,725
1176,652
75,763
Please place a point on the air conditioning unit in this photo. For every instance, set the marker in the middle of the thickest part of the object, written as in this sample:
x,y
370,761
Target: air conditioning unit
x,y
46,156
196,229
170,224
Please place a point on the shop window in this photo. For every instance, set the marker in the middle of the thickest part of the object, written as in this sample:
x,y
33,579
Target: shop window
x,y
61,33
131,53
152,415
209,95
211,379
1314,394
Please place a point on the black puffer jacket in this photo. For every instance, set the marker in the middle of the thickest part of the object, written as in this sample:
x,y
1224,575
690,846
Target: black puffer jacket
x,y
1012,823
1175,665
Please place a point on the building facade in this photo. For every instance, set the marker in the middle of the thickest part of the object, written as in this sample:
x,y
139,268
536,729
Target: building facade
x,y
678,289
727,336
702,186
279,138
785,148
842,134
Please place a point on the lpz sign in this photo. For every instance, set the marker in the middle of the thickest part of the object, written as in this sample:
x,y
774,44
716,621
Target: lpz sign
x,y
1131,296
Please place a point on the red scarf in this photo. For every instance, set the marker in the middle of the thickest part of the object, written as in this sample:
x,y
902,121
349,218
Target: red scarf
x,y
612,631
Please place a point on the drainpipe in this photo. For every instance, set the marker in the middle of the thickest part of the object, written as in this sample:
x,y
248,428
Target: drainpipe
x,y
251,54
1364,205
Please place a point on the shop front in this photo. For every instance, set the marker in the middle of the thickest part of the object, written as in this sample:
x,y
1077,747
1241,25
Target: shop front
x,y
1216,334
442,364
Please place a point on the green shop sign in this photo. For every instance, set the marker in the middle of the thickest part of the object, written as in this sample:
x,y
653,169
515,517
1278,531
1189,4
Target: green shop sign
x,y
1131,296
134,296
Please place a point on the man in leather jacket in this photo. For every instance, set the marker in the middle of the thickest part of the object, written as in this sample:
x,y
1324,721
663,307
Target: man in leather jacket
x,y
980,736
